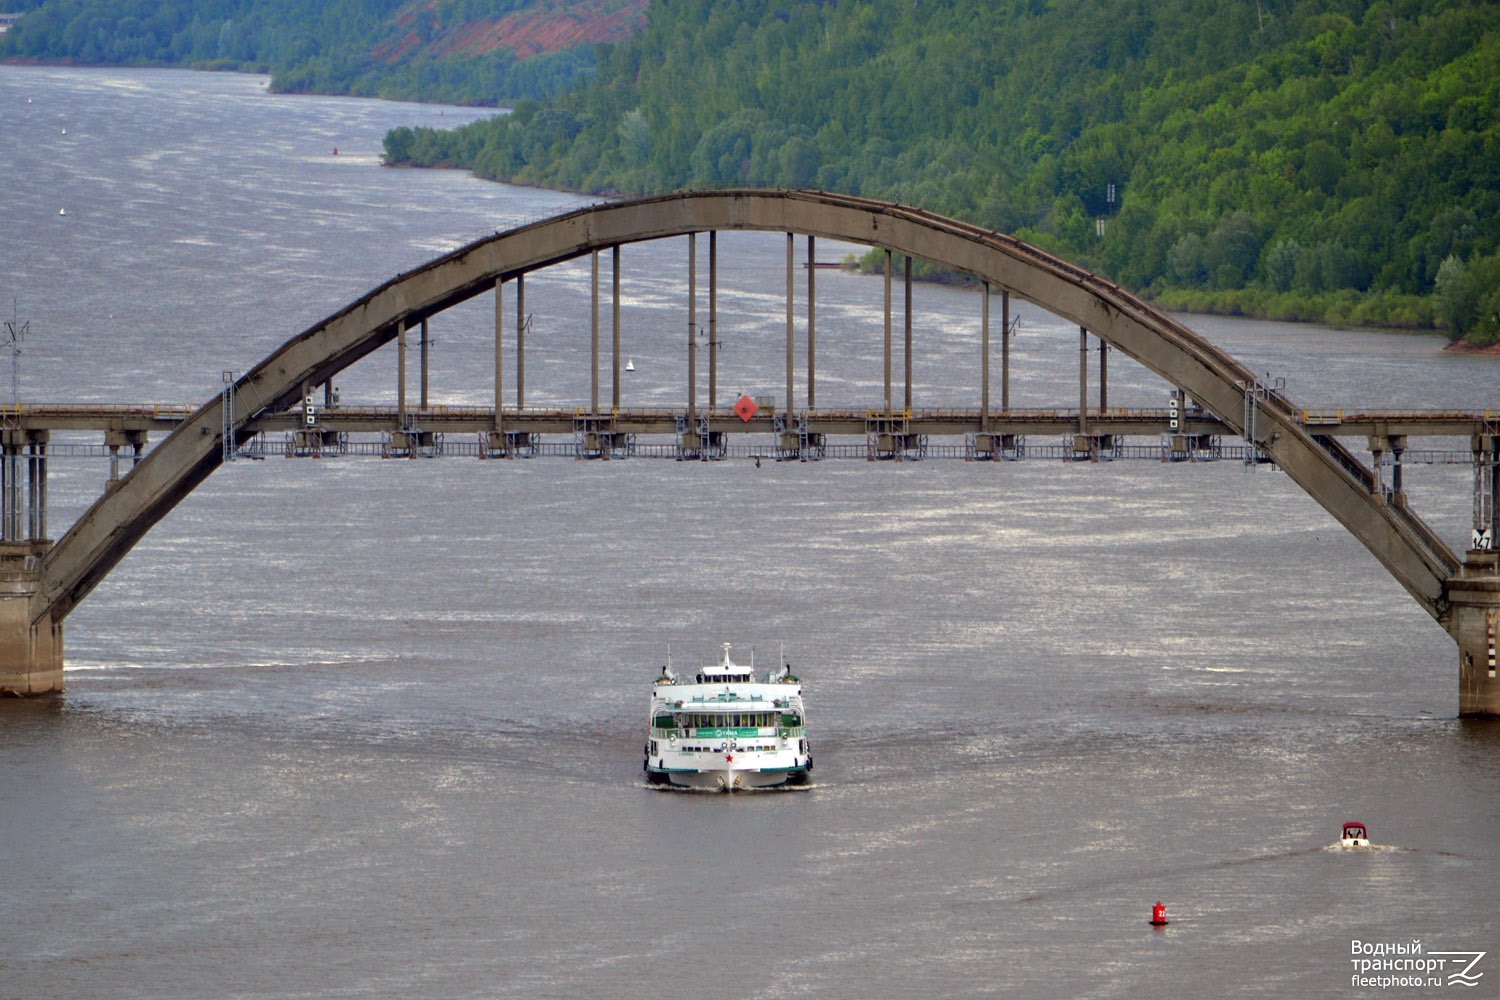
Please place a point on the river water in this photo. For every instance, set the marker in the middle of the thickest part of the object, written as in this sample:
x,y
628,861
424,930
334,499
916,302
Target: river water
x,y
363,729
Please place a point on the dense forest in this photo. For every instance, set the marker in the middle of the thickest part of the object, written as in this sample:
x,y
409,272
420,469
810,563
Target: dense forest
x,y
1297,159
397,49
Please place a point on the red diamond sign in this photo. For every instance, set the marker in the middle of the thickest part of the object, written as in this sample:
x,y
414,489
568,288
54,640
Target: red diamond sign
x,y
745,408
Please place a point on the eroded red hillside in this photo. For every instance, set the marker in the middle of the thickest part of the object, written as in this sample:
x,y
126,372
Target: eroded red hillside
x,y
543,26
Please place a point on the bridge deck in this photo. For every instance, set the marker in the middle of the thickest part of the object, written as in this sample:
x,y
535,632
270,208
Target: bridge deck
x,y
163,417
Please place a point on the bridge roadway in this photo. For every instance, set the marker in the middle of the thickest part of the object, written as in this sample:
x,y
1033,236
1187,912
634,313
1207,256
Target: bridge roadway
x,y
124,424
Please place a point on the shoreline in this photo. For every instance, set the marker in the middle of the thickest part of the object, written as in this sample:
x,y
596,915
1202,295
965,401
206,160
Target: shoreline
x,y
1464,347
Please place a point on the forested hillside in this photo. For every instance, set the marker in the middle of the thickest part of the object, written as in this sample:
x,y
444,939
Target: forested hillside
x,y
463,51
1322,159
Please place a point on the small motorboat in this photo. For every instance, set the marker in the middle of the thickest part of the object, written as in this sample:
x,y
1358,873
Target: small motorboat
x,y
1354,835
630,364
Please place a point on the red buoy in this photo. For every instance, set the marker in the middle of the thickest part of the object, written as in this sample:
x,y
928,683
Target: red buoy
x,y
1158,915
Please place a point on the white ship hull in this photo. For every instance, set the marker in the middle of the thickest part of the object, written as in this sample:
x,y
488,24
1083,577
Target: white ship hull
x,y
727,779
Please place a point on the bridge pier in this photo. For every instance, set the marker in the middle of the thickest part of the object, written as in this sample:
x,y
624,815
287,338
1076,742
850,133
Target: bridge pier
x,y
31,653
1474,622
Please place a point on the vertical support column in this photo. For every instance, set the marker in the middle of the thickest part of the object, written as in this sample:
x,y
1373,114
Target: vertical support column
x,y
812,324
614,310
1103,376
33,499
20,516
41,489
1486,537
1474,594
521,324
10,480
16,530
594,333
887,333
500,360
401,374
984,357
713,320
1494,464
422,406
790,327
907,328
692,326
1398,448
1083,380
1004,350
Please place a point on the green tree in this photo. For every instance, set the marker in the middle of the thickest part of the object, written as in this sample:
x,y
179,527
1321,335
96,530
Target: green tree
x,y
1456,295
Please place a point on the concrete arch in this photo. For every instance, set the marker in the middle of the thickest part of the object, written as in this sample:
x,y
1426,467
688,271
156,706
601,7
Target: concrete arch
x,y
1322,467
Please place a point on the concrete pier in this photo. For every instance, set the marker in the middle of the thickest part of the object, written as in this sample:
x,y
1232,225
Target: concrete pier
x,y
31,655
1474,623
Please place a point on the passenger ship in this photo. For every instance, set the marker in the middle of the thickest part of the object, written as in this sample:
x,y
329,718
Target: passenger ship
x,y
725,730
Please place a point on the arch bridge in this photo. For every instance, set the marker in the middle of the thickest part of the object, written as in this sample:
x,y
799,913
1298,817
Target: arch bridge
x,y
41,582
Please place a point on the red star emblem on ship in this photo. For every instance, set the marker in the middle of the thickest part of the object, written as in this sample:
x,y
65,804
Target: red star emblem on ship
x,y
729,758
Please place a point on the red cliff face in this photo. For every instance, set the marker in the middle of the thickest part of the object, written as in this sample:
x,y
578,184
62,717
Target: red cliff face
x,y
543,26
